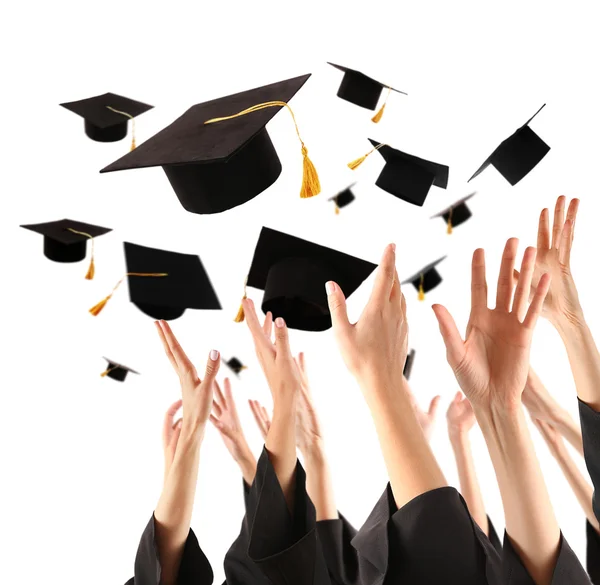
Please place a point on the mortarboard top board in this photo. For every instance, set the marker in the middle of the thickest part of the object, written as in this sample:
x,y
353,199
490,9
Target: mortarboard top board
x,y
518,154
62,243
343,198
218,166
116,371
426,279
359,89
457,213
293,273
235,365
410,358
106,115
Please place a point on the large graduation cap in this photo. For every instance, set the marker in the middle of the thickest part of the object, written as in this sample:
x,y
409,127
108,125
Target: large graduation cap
x,y
293,273
101,122
216,167
359,89
457,213
426,279
518,154
117,371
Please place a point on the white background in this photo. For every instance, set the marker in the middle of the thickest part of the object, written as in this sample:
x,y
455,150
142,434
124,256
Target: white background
x,y
82,460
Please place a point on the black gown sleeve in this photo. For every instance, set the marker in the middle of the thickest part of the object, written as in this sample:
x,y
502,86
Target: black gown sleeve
x,y
335,537
494,538
284,546
593,554
568,570
431,540
194,569
590,430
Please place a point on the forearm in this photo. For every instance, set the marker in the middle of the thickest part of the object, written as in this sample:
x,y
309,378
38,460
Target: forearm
x,y
247,464
530,520
411,466
319,484
173,512
469,485
584,359
281,445
581,488
571,431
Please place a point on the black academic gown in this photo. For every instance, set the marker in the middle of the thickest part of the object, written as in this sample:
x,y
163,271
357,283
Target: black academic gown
x,y
494,538
590,429
593,554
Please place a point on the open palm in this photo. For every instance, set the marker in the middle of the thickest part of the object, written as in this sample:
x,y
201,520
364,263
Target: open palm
x,y
491,365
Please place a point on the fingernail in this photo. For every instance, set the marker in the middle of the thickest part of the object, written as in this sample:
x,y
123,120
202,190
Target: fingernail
x,y
393,247
330,287
279,322
214,355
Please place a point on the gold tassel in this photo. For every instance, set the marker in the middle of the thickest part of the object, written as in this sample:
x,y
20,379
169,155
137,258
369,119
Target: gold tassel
x,y
359,161
311,185
337,209
132,125
377,117
240,314
92,269
97,308
449,228
421,291
107,371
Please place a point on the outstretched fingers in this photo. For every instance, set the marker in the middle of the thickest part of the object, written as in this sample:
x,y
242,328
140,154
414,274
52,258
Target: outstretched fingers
x,y
385,278
261,341
543,237
455,346
535,308
479,290
506,275
337,306
524,283
559,220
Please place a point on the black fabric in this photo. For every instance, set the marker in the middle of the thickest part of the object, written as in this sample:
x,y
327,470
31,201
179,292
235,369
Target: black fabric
x,y
592,556
494,538
118,374
408,364
344,198
568,570
431,540
194,569
235,365
284,547
590,430
407,181
109,134
460,214
335,538
58,252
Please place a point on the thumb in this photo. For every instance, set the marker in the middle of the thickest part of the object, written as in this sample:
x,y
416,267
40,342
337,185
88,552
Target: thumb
x,y
282,340
452,340
337,306
434,405
212,367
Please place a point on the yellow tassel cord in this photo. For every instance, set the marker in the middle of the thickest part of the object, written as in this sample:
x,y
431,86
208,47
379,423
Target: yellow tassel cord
x,y
107,371
421,291
132,125
92,269
379,114
359,161
311,185
449,229
95,310
337,209
240,314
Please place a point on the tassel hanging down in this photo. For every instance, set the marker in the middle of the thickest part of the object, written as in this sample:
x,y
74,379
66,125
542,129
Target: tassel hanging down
x,y
240,314
449,228
377,117
133,145
360,160
107,371
421,290
311,185
92,269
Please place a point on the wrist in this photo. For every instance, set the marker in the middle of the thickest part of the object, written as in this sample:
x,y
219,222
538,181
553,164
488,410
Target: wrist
x,y
457,435
244,456
192,432
314,454
376,387
570,324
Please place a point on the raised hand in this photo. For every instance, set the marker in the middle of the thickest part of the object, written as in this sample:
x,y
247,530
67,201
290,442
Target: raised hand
x,y
426,418
491,365
226,420
460,416
553,438
261,416
170,434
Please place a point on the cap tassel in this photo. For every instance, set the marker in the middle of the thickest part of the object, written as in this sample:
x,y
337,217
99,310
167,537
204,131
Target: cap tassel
x,y
107,371
97,308
421,290
240,314
449,228
359,161
337,209
92,269
132,125
311,185
377,117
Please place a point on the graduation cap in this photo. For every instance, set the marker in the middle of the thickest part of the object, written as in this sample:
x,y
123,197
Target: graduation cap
x,y
218,154
106,116
116,371
180,283
235,365
456,214
363,91
518,154
410,358
426,279
293,273
65,240
343,198
404,175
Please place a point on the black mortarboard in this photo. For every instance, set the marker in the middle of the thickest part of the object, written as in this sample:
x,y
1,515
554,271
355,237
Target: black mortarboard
x,y
410,358
218,166
106,115
456,214
116,371
426,279
293,273
406,176
517,155
359,89
235,365
180,282
343,198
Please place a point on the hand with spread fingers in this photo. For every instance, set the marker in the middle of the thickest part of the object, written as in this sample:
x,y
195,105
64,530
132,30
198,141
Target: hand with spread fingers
x,y
460,416
427,417
261,416
170,435
226,420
